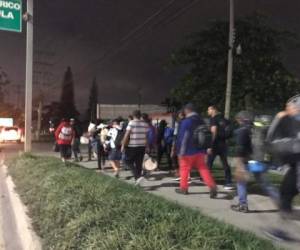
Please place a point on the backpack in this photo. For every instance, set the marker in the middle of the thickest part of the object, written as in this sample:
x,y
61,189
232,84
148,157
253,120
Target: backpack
x,y
168,135
65,133
202,137
119,138
225,130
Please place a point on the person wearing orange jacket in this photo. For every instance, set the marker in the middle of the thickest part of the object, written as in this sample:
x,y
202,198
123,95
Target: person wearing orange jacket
x,y
64,136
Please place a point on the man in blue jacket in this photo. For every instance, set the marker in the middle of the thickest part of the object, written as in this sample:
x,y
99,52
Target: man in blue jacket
x,y
189,153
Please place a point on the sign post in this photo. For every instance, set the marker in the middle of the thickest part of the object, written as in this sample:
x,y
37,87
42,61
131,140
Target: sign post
x,y
28,91
11,15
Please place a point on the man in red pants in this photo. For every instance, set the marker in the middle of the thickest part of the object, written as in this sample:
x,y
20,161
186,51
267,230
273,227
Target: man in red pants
x,y
190,155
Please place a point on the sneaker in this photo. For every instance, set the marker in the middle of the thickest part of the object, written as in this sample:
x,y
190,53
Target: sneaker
x,y
117,174
229,187
138,181
213,193
181,191
279,235
240,208
176,179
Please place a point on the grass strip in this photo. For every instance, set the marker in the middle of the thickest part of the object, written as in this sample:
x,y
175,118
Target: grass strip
x,y
74,208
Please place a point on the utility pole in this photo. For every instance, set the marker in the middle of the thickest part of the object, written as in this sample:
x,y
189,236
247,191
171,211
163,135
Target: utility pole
x,y
28,91
230,60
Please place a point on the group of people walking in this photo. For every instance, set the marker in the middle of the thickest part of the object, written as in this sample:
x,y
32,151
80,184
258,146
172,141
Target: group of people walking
x,y
195,143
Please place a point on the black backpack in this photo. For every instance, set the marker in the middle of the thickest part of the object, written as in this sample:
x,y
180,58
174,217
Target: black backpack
x,y
203,137
225,129
119,138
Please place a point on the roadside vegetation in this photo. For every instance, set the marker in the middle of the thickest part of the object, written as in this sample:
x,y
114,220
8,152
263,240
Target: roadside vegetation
x,y
75,208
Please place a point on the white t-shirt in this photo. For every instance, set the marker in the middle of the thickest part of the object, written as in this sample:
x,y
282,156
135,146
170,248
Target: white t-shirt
x,y
113,133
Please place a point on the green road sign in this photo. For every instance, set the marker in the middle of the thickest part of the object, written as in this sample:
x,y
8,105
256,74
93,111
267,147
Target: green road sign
x,y
11,15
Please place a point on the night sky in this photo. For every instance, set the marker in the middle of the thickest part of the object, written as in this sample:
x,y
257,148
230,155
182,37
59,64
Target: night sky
x,y
124,43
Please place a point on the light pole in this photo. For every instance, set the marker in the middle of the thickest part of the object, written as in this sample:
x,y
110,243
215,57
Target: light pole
x,y
28,17
230,60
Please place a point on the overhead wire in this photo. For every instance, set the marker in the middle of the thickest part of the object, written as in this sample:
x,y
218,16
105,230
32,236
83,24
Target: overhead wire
x,y
165,20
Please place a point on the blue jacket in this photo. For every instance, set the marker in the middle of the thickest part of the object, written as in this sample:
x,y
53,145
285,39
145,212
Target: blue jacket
x,y
185,143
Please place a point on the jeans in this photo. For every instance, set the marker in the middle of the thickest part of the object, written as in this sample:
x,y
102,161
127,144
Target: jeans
x,y
134,159
268,189
242,192
220,151
186,164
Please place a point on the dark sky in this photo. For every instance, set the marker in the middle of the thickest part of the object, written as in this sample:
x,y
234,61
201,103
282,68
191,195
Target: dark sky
x,y
124,43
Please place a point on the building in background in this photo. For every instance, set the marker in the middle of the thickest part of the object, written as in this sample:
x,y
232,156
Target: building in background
x,y
111,111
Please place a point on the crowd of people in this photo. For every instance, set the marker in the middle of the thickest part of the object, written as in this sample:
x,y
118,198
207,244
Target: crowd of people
x,y
193,142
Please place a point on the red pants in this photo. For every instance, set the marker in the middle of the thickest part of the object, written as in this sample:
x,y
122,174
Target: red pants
x,y
187,163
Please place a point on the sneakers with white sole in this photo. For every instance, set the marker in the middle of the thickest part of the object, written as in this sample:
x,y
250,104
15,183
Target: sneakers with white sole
x,y
139,181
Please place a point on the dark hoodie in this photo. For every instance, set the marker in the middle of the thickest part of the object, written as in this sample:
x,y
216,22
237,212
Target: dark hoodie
x,y
243,144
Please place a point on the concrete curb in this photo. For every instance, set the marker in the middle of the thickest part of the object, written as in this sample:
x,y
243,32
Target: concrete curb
x,y
29,239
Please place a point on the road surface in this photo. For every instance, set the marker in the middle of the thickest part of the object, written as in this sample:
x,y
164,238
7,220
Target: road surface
x,y
9,239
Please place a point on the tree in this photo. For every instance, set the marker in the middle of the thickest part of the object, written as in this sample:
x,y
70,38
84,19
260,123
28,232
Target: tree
x,y
3,82
260,79
93,101
51,112
67,105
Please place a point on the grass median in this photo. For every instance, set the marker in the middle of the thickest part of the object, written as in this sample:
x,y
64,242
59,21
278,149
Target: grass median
x,y
74,208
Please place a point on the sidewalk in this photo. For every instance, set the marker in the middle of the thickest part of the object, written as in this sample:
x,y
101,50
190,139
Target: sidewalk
x,y
263,214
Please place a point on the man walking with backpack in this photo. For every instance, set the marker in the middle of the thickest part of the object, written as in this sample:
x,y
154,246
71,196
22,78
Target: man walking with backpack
x,y
284,144
221,131
190,154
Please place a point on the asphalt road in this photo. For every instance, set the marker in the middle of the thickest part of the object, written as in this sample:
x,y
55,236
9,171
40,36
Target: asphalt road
x,y
8,231
9,239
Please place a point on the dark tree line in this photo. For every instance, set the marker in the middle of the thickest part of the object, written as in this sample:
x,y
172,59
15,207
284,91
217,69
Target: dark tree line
x,y
260,79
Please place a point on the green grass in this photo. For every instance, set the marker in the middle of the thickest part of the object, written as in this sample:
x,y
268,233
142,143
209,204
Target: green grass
x,y
74,208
